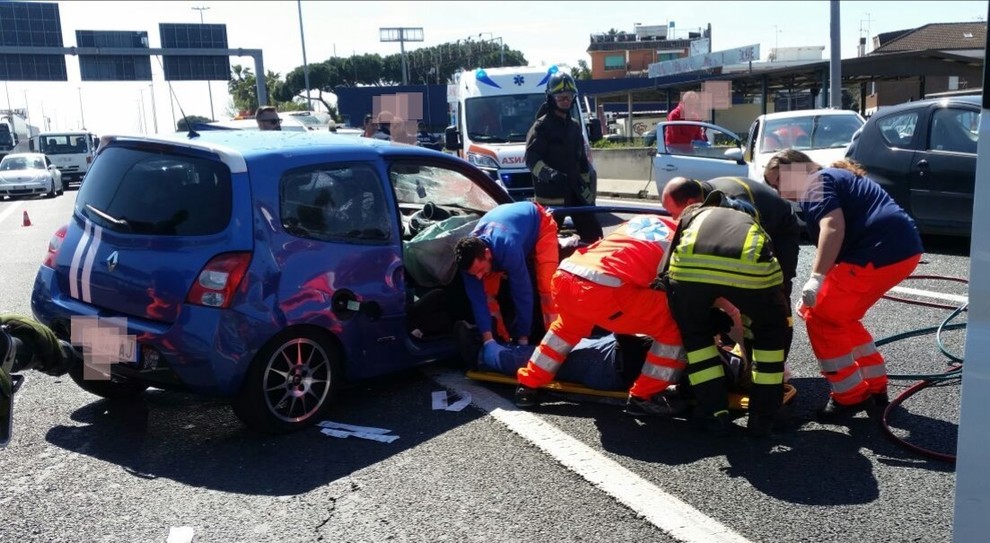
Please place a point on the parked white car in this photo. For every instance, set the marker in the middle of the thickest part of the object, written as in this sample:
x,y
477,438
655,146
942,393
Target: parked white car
x,y
822,134
26,174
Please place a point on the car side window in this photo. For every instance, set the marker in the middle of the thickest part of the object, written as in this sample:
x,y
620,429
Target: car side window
x,y
954,130
898,130
335,203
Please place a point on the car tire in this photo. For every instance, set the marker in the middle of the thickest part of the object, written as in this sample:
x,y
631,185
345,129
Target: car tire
x,y
105,388
61,188
290,382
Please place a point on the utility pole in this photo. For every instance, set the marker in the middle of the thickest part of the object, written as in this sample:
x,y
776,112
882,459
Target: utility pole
x,y
302,38
82,117
868,20
209,87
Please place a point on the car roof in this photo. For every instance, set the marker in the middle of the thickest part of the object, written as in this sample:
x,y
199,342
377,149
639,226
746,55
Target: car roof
x,y
237,148
807,113
25,155
946,100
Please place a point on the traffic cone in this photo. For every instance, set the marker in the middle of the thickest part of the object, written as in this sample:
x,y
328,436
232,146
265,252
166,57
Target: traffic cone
x,y
27,220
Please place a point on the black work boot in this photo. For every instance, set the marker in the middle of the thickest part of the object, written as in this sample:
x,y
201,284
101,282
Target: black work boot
x,y
527,397
468,344
834,411
660,405
715,425
760,424
764,404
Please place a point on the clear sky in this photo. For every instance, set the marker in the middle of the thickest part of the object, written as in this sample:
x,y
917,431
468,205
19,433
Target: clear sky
x,y
546,32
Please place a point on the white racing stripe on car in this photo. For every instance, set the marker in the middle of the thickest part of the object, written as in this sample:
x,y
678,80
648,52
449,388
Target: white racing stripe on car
x,y
87,270
76,257
666,512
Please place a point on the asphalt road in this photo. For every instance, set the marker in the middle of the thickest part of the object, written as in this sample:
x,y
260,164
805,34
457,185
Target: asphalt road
x,y
83,469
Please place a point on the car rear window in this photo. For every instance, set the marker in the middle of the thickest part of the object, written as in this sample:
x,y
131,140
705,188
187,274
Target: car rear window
x,y
150,192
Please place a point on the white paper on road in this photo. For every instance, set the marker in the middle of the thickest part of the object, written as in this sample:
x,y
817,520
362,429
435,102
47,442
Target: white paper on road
x,y
352,427
181,534
441,397
343,434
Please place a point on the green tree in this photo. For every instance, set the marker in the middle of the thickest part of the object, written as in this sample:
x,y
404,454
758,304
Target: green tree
x,y
244,91
581,71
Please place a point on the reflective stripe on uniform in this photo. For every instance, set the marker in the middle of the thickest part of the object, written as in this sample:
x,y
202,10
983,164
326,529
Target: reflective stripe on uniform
x,y
663,350
549,201
703,376
760,355
538,167
702,354
556,343
712,277
543,361
769,377
847,384
661,373
591,274
865,349
832,365
873,371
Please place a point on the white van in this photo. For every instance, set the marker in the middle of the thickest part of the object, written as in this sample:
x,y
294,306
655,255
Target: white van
x,y
492,109
71,152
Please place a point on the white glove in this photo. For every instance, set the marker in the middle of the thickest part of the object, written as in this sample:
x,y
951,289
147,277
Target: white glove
x,y
809,293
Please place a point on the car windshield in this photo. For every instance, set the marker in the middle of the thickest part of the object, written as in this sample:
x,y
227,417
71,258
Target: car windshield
x,y
811,132
64,144
502,119
415,184
308,120
21,163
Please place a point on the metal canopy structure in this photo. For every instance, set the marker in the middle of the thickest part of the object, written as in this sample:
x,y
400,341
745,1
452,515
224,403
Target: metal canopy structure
x,y
811,76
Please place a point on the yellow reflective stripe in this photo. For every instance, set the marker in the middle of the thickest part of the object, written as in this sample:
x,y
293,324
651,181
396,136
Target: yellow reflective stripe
x,y
760,355
831,365
663,350
703,376
726,263
538,167
752,199
768,378
729,280
591,274
662,373
865,349
549,201
873,372
847,384
702,354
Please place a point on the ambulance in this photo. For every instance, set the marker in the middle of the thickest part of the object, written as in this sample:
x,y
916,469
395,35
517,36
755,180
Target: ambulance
x,y
492,109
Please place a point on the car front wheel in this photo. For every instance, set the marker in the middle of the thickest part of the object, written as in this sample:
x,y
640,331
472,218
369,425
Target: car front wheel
x,y
51,190
290,382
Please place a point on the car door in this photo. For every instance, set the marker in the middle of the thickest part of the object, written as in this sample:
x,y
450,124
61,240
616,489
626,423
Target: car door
x,y
944,171
720,154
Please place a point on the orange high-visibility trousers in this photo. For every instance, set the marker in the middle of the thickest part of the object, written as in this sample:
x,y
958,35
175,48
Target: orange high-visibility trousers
x,y
626,309
847,356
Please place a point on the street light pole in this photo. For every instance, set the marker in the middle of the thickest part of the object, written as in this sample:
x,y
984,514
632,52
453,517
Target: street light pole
x,y
501,46
209,87
302,38
82,117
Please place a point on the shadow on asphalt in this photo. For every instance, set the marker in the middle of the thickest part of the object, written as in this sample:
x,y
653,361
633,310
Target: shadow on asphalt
x,y
200,442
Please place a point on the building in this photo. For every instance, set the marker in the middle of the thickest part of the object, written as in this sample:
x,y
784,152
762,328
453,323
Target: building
x,y
617,54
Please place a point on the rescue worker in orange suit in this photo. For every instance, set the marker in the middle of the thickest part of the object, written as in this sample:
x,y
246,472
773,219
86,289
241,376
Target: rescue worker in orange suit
x,y
503,241
557,157
608,285
720,252
775,215
866,245
681,137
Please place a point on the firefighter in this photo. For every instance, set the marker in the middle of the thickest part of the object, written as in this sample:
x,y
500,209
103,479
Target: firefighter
x,y
721,252
557,157
608,285
866,245
500,245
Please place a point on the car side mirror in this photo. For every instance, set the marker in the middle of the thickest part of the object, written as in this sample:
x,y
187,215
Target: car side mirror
x,y
735,154
452,139
594,130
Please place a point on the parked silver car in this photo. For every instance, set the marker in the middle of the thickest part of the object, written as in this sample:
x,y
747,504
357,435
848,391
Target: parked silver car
x,y
27,174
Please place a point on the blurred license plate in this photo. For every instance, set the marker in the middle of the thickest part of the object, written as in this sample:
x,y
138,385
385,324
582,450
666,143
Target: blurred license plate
x,y
107,339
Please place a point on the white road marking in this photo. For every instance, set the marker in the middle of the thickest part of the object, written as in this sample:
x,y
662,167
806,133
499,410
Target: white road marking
x,y
9,211
931,294
659,508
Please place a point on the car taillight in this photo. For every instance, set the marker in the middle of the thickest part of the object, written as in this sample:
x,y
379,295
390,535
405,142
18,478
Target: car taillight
x,y
218,280
54,245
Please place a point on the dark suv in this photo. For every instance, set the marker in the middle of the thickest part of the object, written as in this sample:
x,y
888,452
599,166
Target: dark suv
x,y
924,154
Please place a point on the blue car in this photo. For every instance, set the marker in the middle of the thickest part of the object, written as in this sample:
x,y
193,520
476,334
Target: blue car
x,y
270,268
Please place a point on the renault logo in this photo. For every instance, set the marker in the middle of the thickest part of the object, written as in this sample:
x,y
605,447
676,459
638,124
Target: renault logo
x,y
112,262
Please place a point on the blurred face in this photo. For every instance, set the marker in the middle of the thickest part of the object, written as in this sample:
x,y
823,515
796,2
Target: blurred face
x,y
563,99
269,121
482,266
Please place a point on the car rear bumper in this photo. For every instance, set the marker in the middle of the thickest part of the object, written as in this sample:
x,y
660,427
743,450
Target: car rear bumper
x,y
206,351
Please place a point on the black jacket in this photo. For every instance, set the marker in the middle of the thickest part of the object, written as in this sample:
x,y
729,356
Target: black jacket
x,y
776,216
555,154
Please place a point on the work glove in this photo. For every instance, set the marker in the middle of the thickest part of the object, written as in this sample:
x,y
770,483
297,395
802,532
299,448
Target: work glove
x,y
490,353
809,292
